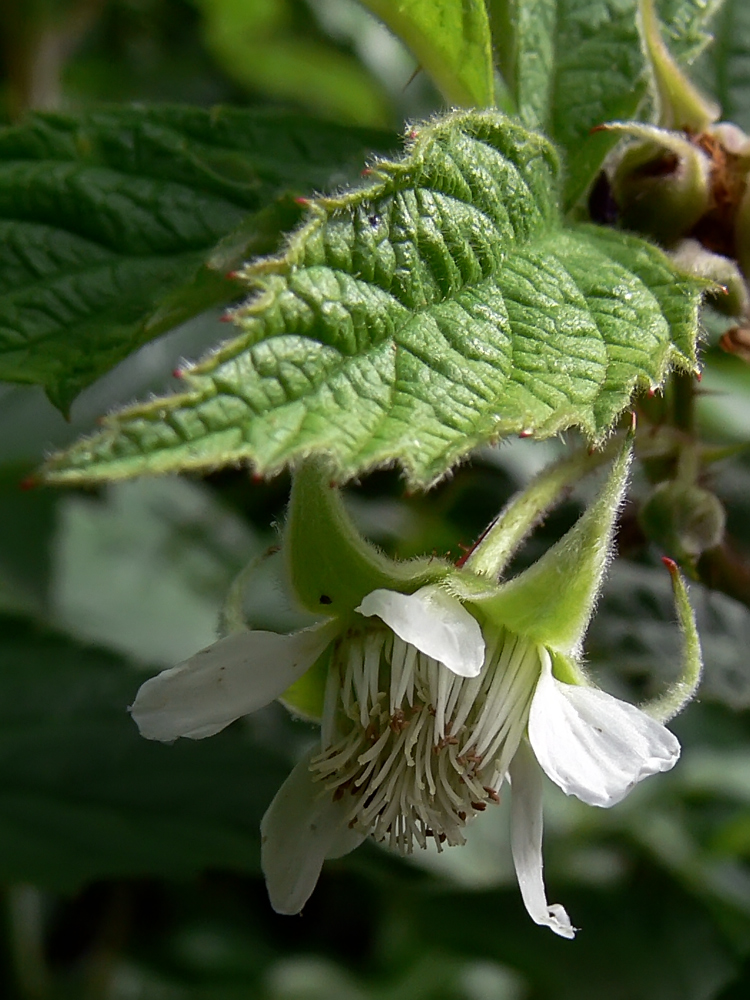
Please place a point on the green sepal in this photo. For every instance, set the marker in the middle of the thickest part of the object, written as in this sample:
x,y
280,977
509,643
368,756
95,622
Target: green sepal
x,y
568,669
524,511
551,602
680,105
306,697
683,690
331,566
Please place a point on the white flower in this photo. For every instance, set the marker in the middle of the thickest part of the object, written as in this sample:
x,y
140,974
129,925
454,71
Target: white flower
x,y
426,716
442,684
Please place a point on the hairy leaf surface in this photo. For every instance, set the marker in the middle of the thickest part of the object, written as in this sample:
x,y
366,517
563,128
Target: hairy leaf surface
x,y
118,225
437,308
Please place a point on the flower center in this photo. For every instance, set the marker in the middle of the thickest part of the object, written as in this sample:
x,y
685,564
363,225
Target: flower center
x,y
419,749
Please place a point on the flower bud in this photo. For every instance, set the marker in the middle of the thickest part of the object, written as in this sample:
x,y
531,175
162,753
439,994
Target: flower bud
x,y
684,519
662,185
729,294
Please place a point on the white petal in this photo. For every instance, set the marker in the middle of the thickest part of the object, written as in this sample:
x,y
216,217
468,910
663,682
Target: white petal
x,y
433,621
593,745
301,828
526,843
234,677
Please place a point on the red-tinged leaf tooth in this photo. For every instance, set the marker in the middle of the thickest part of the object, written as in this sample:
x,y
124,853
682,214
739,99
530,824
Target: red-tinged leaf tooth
x,y
225,318
670,564
651,393
365,172
699,376
232,275
525,434
304,202
178,373
598,128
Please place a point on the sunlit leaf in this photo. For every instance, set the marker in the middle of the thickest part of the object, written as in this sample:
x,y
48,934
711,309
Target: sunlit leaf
x,y
451,39
438,307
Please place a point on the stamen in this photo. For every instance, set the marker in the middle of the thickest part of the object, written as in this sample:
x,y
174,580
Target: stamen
x,y
421,750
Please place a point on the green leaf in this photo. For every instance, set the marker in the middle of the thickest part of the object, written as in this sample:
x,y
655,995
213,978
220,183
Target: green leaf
x,y
118,225
571,66
452,41
84,796
725,67
264,45
437,308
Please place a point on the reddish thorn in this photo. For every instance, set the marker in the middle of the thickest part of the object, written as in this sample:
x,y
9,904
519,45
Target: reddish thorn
x,y
304,202
29,483
365,172
651,393
178,373
670,564
525,434
699,376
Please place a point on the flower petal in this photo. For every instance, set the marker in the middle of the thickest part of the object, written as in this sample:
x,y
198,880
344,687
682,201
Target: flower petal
x,y
233,677
526,843
592,745
301,828
433,621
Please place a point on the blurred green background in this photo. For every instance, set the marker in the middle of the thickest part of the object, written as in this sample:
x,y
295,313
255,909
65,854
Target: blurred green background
x,y
130,871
